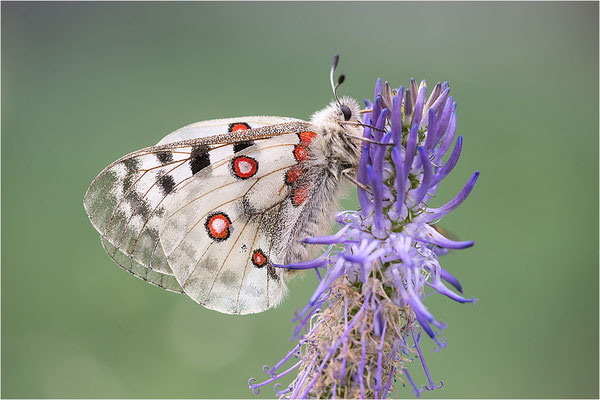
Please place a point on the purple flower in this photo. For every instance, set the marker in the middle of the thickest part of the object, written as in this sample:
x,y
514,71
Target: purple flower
x,y
359,334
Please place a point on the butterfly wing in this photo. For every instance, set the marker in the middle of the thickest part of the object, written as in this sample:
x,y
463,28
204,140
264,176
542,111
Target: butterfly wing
x,y
225,227
214,127
126,201
167,282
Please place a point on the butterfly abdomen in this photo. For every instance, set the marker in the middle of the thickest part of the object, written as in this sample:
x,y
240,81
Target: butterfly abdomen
x,y
316,217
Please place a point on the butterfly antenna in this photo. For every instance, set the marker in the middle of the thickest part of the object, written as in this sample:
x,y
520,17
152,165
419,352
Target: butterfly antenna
x,y
336,58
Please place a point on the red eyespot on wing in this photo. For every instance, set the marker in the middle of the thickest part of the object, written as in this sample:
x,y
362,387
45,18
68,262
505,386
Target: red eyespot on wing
x,y
299,195
306,137
293,174
258,258
238,126
300,153
217,226
243,167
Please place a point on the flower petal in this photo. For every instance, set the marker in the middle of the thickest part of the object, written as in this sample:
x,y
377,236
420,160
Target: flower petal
x,y
435,213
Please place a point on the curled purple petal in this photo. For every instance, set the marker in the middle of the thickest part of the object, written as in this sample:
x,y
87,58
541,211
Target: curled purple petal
x,y
442,126
387,95
327,239
377,186
416,391
378,87
281,392
422,190
430,235
431,130
437,89
445,275
414,90
375,115
408,106
378,150
441,99
396,119
446,141
363,198
311,264
450,164
436,213
399,181
431,384
410,149
449,293
418,113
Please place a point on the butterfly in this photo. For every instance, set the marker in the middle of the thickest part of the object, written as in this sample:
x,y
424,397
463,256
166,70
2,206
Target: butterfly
x,y
214,205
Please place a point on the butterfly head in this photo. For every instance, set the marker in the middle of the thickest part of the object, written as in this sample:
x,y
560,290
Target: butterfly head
x,y
339,125
342,113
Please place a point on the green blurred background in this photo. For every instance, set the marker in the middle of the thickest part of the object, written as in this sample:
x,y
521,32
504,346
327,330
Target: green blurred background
x,y
84,83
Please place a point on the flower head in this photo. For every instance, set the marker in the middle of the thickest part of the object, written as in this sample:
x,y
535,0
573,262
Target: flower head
x,y
361,329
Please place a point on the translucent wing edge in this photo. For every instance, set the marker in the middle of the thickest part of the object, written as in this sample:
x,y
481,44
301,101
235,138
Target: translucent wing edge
x,y
152,277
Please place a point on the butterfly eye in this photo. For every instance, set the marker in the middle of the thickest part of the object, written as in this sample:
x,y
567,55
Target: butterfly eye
x,y
346,111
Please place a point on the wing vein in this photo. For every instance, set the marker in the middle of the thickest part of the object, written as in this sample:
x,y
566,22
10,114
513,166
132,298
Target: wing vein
x,y
237,300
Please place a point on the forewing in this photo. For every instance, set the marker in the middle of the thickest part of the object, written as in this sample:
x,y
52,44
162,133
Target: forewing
x,y
126,202
221,229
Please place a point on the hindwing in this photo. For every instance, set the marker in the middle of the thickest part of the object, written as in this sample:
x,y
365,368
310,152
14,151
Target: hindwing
x,y
223,229
167,282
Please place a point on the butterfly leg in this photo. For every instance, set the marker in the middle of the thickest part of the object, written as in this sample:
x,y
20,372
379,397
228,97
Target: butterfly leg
x,y
347,174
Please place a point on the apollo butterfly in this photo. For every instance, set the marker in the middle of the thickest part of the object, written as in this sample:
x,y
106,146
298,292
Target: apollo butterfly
x,y
214,205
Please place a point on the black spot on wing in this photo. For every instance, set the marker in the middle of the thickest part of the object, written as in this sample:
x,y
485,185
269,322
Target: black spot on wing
x,y
138,203
237,147
131,164
200,158
164,157
128,181
167,183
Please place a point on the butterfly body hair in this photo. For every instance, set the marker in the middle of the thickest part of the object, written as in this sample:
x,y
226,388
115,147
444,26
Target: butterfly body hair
x,y
332,152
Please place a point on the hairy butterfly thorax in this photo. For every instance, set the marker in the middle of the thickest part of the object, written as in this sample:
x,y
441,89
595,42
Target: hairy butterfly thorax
x,y
217,206
331,152
338,150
